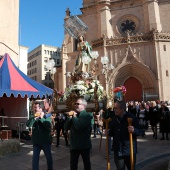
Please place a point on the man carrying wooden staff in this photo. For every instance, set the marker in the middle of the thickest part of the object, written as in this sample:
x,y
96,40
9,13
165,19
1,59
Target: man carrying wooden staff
x,y
106,121
120,130
131,144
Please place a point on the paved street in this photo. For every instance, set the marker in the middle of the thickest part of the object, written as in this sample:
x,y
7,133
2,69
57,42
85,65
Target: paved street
x,y
153,154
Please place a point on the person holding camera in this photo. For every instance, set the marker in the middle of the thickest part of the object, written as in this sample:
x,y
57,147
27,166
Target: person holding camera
x,y
79,124
41,136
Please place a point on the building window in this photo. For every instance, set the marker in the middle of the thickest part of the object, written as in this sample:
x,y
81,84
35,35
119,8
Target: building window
x,y
58,61
128,24
45,59
164,47
167,73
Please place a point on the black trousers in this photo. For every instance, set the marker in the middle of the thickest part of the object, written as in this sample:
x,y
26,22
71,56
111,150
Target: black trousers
x,y
74,157
96,128
59,129
122,161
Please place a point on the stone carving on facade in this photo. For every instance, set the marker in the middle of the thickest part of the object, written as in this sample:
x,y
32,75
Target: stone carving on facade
x,y
162,36
138,38
130,56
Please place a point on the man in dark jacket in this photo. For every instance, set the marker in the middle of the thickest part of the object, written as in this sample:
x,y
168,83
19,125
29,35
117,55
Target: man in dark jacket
x,y
79,125
41,136
59,126
120,131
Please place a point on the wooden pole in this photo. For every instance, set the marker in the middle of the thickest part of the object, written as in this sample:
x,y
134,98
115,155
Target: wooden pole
x,y
101,139
131,145
107,148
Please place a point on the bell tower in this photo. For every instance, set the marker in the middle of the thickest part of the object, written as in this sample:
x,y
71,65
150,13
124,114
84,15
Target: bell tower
x,y
87,3
99,16
152,14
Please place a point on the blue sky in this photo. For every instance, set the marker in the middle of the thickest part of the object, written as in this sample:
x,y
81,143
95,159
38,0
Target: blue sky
x,y
41,21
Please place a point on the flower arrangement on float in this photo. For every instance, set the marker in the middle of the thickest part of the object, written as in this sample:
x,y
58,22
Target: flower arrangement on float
x,y
83,88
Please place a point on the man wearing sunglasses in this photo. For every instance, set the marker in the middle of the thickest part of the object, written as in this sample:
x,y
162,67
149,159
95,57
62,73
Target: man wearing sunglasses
x,y
79,124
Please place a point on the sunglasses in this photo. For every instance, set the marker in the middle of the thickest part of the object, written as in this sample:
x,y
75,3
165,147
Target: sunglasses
x,y
77,104
117,108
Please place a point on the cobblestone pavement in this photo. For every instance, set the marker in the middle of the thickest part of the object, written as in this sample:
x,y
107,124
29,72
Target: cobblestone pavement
x,y
153,154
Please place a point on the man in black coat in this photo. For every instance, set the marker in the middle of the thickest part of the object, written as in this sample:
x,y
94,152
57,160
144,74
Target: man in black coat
x,y
120,131
59,126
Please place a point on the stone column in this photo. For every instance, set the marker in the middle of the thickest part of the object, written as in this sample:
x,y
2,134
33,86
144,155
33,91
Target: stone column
x,y
105,17
64,61
151,13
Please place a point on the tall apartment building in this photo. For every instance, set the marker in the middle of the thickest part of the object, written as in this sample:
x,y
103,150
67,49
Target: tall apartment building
x,y
37,60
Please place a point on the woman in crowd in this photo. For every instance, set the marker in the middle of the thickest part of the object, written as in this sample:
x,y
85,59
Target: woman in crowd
x,y
143,117
164,121
132,108
153,117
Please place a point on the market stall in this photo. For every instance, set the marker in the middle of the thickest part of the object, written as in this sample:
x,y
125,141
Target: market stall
x,y
15,90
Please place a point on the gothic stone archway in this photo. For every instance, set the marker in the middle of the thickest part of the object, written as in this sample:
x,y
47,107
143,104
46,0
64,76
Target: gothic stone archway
x,y
137,77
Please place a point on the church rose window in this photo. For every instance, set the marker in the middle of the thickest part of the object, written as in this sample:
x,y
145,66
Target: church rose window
x,y
128,23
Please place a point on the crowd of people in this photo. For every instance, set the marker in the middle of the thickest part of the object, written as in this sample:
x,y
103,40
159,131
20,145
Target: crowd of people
x,y
79,126
155,113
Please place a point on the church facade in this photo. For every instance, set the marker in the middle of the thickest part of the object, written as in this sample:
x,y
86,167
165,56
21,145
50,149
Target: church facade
x,y
135,35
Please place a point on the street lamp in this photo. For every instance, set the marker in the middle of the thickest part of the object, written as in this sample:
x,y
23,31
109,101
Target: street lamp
x,y
51,68
94,55
107,68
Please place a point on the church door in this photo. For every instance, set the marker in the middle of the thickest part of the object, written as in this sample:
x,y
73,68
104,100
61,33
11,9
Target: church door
x,y
133,89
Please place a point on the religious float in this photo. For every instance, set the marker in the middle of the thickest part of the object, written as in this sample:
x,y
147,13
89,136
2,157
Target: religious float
x,y
83,80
